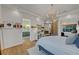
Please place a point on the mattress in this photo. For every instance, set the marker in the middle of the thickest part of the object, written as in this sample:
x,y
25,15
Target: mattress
x,y
57,45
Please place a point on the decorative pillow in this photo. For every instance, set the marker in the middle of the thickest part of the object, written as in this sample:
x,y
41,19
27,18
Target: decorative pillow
x,y
70,39
77,42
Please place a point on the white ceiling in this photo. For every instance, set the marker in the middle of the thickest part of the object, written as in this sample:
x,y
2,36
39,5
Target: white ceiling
x,y
42,9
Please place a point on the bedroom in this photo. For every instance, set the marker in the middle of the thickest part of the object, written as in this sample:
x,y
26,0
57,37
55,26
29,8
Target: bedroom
x,y
44,31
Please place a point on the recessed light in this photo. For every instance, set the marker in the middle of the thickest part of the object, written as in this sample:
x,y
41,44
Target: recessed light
x,y
68,16
16,12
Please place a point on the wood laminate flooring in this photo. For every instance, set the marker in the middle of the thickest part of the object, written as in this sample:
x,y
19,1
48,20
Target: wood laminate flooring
x,y
19,49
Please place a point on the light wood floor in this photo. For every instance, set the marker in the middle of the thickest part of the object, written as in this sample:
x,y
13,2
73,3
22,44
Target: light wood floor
x,y
20,49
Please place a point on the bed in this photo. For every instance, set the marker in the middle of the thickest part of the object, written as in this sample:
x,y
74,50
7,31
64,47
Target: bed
x,y
55,45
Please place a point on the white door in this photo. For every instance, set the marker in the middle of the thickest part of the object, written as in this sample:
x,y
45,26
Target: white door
x,y
33,34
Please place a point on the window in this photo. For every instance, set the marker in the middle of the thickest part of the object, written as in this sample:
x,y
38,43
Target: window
x,y
69,28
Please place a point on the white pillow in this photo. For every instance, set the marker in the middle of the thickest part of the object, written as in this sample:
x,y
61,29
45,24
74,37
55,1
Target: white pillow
x,y
67,33
71,38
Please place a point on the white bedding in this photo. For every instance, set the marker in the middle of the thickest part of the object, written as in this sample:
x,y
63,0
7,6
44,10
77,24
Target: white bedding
x,y
57,45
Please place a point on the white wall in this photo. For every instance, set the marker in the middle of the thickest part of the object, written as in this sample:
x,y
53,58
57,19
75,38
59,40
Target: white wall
x,y
11,36
0,11
0,18
33,31
64,18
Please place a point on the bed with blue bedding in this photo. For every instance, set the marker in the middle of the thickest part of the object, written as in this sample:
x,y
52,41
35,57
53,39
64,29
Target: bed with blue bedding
x,y
56,45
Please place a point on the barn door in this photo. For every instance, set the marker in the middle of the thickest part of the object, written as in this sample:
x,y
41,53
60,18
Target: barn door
x,y
54,27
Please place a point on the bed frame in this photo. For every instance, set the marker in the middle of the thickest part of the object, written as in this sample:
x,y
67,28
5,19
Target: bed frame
x,y
46,51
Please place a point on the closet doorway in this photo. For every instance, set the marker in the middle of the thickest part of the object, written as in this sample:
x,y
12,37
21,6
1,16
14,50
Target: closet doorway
x,y
26,29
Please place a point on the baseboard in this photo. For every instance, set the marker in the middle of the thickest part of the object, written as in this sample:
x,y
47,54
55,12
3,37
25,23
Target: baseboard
x,y
15,50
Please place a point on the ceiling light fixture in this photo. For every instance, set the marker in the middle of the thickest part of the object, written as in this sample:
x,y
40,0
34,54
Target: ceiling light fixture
x,y
52,12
